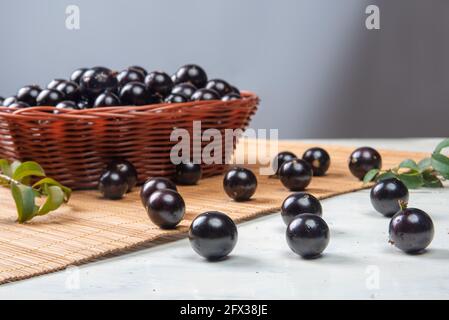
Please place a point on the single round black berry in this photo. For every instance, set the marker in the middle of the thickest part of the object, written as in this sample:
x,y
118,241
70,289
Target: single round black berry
x,y
96,80
67,104
19,105
159,83
54,83
184,89
363,160
9,101
113,185
136,94
176,98
188,173
49,97
154,184
77,75
387,196
231,97
281,158
299,203
205,94
296,174
308,235
126,169
213,235
219,86
129,75
107,99
70,89
318,159
139,68
240,184
165,208
411,230
28,94
191,73
71,105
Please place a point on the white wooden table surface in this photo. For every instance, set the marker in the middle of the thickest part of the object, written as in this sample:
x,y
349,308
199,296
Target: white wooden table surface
x,y
359,263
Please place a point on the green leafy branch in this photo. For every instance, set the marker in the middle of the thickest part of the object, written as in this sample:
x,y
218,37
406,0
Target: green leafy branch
x,y
429,172
18,176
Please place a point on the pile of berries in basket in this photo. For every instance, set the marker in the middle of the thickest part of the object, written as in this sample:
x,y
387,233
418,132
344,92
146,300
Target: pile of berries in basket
x,y
102,87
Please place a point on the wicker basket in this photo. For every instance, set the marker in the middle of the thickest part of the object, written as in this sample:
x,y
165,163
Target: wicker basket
x,y
75,145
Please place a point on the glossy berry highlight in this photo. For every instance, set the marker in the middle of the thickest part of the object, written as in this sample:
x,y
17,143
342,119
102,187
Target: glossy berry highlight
x,y
54,83
129,75
77,75
281,158
176,98
97,80
159,82
70,89
155,184
299,203
296,174
220,86
184,89
112,185
411,230
136,94
165,208
308,235
213,235
68,105
231,97
28,94
319,160
387,195
126,169
240,184
363,160
49,97
191,73
204,95
107,99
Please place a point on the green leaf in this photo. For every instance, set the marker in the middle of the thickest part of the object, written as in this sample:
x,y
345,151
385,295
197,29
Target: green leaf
x,y
386,175
424,164
18,176
55,198
14,166
52,182
5,167
28,169
443,144
441,164
370,175
412,180
24,199
409,164
431,180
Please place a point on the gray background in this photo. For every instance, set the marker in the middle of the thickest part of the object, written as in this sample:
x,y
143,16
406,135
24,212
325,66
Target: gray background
x,y
319,71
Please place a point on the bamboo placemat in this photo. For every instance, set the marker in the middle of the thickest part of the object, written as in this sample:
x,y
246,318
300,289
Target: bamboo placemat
x,y
89,227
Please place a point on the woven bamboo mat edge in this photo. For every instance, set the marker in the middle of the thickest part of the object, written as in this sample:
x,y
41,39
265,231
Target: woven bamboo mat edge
x,y
179,234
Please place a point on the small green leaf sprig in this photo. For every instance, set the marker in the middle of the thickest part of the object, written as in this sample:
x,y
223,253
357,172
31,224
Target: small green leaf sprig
x,y
429,172
18,176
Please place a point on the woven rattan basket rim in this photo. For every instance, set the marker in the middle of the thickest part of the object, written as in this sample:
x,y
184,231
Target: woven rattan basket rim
x,y
125,111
